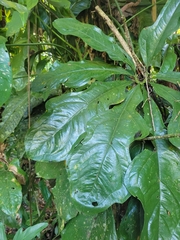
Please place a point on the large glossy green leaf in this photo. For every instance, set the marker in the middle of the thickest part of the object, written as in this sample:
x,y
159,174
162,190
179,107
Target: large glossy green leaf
x,y
5,74
62,199
173,97
76,74
97,166
94,37
11,195
152,39
153,177
83,227
12,115
53,135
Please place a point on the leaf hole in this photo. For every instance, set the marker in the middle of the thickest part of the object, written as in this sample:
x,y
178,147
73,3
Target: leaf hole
x,y
95,204
12,188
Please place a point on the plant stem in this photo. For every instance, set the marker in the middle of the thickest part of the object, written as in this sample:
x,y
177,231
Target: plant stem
x,y
175,135
115,31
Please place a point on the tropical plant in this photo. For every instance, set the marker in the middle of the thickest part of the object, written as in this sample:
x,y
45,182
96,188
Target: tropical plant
x,y
109,134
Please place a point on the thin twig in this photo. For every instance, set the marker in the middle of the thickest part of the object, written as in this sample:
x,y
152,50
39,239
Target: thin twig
x,y
115,31
175,135
150,105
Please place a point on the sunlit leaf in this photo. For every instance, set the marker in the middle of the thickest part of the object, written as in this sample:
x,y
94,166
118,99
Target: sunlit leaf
x,y
94,37
54,134
98,164
152,39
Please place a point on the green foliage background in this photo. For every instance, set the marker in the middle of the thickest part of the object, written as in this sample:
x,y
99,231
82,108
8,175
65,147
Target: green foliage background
x,y
87,129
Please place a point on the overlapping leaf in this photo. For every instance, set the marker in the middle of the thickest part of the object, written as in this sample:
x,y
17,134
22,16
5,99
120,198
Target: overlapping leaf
x,y
94,37
173,97
64,203
54,134
11,195
152,39
173,77
12,115
75,74
98,165
153,177
5,74
100,227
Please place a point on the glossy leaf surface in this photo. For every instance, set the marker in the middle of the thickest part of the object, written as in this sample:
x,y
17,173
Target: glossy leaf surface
x,y
55,133
153,177
5,75
76,74
94,37
99,227
98,165
173,97
152,39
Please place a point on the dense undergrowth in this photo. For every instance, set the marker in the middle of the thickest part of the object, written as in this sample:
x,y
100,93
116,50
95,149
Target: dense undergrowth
x,y
90,124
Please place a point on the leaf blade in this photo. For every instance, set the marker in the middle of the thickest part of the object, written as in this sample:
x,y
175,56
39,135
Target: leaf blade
x,y
152,39
94,37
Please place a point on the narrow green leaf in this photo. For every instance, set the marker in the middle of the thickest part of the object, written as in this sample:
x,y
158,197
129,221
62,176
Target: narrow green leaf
x,y
153,177
75,74
152,39
98,164
12,115
99,227
53,135
2,232
30,232
63,201
94,37
173,97
5,75
169,61
11,195
173,77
